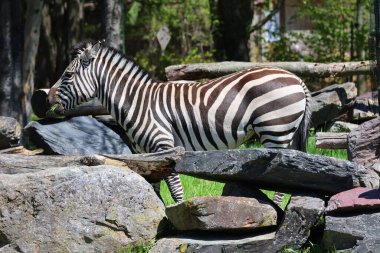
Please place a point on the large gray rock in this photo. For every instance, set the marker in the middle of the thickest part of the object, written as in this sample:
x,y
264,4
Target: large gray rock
x,y
301,214
340,126
278,169
79,135
364,144
10,132
221,214
346,231
366,107
332,102
78,209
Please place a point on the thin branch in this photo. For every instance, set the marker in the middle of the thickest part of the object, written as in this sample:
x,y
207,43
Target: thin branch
x,y
269,17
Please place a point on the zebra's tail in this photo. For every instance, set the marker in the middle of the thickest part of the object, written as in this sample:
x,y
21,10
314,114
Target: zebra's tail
x,y
303,130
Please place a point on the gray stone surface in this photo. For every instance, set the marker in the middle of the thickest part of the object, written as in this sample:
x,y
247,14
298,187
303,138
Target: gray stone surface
x,y
345,231
301,214
221,214
79,135
340,126
367,245
364,144
10,132
254,243
78,209
332,102
278,169
366,107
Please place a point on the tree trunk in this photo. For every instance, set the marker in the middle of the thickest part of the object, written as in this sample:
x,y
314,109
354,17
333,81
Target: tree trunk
x,y
112,22
32,37
11,44
235,17
360,54
62,25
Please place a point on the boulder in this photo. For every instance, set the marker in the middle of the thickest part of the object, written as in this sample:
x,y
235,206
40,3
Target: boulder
x,y
79,135
10,132
355,199
346,231
78,209
331,102
340,126
221,214
364,144
366,107
301,214
281,170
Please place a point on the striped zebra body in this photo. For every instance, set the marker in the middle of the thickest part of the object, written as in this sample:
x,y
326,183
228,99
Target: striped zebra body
x,y
218,114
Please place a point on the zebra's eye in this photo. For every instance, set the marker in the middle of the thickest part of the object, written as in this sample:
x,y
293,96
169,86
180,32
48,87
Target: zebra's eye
x,y
69,74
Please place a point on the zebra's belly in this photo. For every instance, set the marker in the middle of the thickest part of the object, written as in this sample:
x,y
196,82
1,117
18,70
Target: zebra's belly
x,y
200,144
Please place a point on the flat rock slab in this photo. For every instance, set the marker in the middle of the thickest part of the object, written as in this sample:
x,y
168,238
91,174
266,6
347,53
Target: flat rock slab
x,y
78,209
10,132
261,243
331,102
346,231
364,144
355,199
221,214
278,169
301,214
75,136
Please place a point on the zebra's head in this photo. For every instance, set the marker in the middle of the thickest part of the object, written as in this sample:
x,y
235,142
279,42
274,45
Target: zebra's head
x,y
75,86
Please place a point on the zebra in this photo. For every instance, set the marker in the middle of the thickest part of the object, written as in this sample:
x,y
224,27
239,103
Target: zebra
x,y
217,114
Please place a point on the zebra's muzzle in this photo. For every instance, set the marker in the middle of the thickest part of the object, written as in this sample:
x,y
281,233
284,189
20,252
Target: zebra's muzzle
x,y
55,106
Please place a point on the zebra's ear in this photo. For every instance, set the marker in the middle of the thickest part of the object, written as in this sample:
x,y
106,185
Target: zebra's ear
x,y
95,49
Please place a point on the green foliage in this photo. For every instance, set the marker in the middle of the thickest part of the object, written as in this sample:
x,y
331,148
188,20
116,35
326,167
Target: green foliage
x,y
189,24
142,248
330,38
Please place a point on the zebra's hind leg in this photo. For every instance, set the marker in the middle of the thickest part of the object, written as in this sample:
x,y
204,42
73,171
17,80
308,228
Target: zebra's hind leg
x,y
175,187
278,198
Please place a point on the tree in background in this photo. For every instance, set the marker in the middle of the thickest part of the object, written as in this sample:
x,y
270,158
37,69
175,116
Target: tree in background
x,y
11,44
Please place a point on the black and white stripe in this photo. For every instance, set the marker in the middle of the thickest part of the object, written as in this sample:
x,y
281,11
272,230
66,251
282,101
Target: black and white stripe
x,y
218,114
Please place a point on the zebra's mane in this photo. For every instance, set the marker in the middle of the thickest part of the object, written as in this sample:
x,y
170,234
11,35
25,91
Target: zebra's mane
x,y
79,48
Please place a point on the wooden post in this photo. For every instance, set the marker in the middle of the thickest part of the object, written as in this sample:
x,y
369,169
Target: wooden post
x,y
331,140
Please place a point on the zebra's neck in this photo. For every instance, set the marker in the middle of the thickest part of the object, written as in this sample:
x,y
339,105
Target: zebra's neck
x,y
119,80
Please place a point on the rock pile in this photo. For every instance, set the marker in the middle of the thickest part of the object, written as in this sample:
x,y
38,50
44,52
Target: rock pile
x,y
103,208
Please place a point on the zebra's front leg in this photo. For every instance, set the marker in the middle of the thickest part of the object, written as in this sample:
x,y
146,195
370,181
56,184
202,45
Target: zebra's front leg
x,y
175,187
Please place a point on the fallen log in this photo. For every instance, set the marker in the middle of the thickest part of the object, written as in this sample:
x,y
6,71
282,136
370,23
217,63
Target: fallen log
x,y
153,167
303,69
331,140
279,170
40,106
